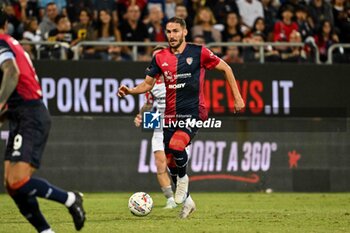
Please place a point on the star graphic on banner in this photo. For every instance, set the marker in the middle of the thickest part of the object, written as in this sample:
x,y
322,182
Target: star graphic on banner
x,y
156,115
293,159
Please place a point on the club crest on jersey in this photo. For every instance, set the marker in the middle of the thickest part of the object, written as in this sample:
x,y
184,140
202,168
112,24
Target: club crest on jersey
x,y
189,60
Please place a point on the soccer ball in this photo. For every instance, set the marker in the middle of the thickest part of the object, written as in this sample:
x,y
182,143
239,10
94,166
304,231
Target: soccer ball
x,y
140,204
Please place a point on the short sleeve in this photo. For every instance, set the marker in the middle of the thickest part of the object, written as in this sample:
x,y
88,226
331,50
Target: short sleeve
x,y
5,52
208,59
153,70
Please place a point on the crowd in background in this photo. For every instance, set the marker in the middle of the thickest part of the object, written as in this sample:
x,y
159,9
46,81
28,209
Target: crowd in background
x,y
315,22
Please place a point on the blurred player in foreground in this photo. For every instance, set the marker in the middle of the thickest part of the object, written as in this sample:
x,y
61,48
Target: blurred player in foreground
x,y
183,67
29,125
157,95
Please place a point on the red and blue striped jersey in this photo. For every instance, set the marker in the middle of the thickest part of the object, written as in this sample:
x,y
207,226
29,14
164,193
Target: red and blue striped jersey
x,y
28,87
184,80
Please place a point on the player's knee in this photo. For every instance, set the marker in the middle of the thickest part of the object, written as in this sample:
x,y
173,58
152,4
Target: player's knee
x,y
182,160
170,161
16,181
179,141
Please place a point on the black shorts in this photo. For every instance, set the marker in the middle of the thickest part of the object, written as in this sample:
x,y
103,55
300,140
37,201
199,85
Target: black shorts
x,y
169,132
29,126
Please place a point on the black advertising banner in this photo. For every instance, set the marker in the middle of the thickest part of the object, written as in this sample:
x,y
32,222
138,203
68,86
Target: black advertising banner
x,y
89,88
110,154
94,145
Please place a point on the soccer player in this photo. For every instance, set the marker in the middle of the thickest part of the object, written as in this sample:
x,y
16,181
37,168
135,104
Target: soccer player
x,y
29,125
183,67
157,95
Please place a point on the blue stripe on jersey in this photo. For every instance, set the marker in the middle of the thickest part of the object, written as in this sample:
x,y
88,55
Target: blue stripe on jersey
x,y
187,99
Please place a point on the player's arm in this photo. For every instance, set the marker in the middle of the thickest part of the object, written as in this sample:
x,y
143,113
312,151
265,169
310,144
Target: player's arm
x,y
226,69
143,87
9,80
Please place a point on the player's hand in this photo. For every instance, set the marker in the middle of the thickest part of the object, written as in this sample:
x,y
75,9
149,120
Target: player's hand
x,y
239,104
123,91
138,120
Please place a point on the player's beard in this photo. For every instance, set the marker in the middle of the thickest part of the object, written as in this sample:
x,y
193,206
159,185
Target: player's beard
x,y
177,45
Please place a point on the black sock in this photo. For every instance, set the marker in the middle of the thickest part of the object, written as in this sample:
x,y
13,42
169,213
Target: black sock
x,y
29,208
41,188
173,174
181,159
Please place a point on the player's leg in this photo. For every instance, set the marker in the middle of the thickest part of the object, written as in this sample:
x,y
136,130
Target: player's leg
x,y
161,164
27,205
24,152
173,171
177,146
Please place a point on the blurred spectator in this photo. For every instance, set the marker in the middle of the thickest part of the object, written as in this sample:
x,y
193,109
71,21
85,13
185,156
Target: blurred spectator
x,y
31,33
294,54
123,6
199,40
170,7
249,10
60,4
221,8
105,31
133,29
181,12
284,28
252,54
23,9
83,28
232,28
270,14
303,20
63,33
232,55
204,23
110,5
292,4
325,38
155,26
28,8
192,7
320,10
115,54
85,31
260,27
342,20
48,22
13,21
74,7
203,26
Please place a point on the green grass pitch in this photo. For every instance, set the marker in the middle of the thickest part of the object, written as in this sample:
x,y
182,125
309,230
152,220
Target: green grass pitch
x,y
216,212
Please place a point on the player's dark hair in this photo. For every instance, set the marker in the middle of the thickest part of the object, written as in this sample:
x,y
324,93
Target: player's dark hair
x,y
178,20
3,19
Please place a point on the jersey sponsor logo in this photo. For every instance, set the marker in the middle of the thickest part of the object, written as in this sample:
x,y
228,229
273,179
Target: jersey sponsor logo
x,y
177,86
165,64
189,60
184,75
